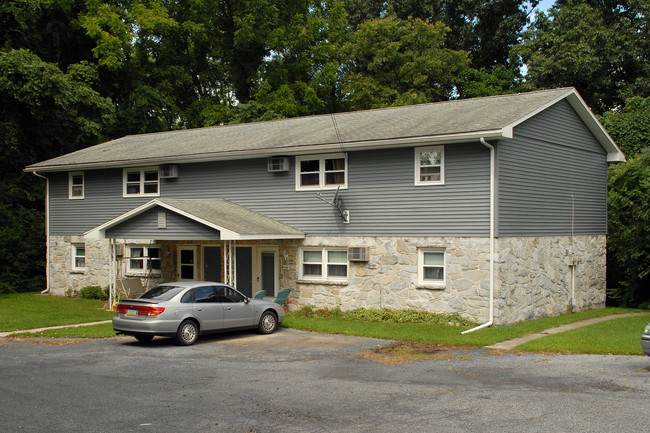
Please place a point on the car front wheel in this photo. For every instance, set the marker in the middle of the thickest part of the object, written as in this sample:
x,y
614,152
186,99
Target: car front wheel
x,y
187,333
268,323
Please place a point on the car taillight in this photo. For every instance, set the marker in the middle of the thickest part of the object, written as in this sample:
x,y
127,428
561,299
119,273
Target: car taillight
x,y
150,311
142,310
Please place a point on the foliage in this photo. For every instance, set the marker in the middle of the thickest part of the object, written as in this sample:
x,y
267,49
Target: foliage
x,y
44,112
93,292
628,254
399,62
601,48
487,30
387,315
630,125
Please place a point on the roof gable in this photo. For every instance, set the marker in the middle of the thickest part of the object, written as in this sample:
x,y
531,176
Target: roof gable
x,y
442,122
232,221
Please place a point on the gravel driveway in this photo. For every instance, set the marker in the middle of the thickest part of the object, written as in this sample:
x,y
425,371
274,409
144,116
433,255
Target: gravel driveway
x,y
294,381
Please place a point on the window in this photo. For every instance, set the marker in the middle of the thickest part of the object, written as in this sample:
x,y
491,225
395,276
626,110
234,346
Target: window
x,y
431,271
204,294
78,257
322,171
141,182
429,165
229,295
324,263
76,185
143,259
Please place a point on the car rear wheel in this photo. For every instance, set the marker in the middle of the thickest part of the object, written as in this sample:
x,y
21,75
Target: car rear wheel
x,y
143,338
187,333
268,323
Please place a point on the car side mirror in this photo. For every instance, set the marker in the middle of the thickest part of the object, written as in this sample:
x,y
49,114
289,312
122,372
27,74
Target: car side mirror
x,y
246,300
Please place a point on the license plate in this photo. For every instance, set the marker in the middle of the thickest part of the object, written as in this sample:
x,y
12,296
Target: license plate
x,y
130,312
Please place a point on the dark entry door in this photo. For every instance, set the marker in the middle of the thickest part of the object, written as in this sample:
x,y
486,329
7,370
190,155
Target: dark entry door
x,y
212,263
268,273
244,280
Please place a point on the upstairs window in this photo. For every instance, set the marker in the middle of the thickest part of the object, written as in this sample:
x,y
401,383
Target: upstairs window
x,y
76,185
143,259
429,165
322,171
140,182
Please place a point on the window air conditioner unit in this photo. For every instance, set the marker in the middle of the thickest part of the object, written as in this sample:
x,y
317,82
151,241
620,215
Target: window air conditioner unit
x,y
278,164
358,254
169,172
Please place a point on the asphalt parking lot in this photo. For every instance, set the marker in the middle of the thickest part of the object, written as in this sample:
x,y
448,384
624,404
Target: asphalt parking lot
x,y
295,381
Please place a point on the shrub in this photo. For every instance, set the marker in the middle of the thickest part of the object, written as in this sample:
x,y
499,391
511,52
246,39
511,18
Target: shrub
x,y
387,315
93,292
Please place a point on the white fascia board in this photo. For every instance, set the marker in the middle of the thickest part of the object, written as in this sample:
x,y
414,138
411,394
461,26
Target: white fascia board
x,y
284,151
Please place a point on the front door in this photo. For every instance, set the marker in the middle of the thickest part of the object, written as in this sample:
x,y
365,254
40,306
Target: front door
x,y
244,263
187,263
268,278
212,264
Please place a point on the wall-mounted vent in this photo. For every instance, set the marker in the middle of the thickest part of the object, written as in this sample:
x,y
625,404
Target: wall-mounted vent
x,y
278,164
168,171
358,254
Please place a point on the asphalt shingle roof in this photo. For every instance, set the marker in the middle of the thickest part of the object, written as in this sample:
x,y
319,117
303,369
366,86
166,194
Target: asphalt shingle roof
x,y
290,136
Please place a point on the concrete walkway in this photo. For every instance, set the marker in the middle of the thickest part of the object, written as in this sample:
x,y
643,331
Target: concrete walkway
x,y
511,344
76,325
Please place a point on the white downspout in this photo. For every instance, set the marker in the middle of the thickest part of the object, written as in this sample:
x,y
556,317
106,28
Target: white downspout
x,y
47,232
492,224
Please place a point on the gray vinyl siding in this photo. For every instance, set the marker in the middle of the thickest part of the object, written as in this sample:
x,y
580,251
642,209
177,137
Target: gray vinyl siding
x,y
145,226
381,195
552,158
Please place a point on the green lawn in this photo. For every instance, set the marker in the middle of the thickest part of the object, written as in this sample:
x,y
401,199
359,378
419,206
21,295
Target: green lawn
x,y
33,310
614,337
451,335
619,336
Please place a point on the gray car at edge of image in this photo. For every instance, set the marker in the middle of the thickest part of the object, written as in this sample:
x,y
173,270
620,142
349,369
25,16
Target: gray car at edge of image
x,y
645,340
186,309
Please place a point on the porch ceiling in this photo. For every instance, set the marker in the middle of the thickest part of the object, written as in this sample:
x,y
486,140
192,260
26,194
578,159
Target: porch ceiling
x,y
230,221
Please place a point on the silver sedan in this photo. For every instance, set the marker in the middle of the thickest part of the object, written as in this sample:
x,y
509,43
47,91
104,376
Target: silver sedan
x,y
186,309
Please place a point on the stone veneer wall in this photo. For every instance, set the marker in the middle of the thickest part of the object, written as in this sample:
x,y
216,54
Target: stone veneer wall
x,y
96,272
533,276
390,278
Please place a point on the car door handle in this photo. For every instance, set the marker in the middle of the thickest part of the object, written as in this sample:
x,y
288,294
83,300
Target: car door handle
x,y
228,308
200,309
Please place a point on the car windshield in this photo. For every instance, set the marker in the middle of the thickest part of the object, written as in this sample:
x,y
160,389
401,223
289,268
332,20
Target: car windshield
x,y
161,293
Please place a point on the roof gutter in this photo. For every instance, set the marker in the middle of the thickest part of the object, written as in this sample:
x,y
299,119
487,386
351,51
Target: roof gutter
x,y
490,321
47,232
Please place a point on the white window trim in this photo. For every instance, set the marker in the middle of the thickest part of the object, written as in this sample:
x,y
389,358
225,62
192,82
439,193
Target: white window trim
x,y
324,276
71,185
141,193
431,284
145,259
321,171
418,151
74,255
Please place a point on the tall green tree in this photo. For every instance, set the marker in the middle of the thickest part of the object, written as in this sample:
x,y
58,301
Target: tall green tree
x,y
599,47
44,112
398,62
487,30
628,241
